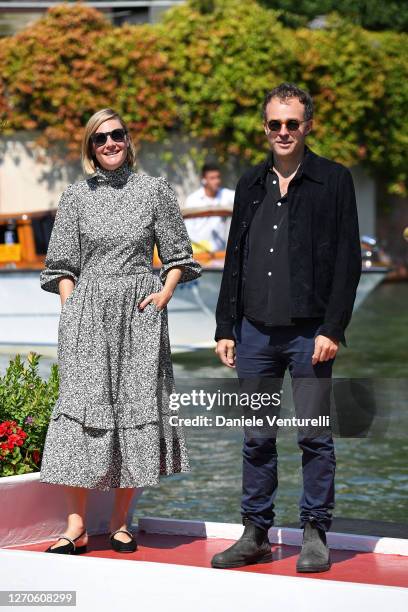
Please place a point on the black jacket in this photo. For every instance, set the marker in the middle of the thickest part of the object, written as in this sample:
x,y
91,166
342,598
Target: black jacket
x,y
324,245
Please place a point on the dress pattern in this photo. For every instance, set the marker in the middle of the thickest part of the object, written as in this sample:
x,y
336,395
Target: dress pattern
x,y
110,425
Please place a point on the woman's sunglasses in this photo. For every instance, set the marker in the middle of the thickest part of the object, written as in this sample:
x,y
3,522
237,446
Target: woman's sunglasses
x,y
292,124
100,138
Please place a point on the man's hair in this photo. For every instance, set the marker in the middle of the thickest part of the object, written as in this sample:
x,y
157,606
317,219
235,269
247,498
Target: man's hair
x,y
289,90
208,167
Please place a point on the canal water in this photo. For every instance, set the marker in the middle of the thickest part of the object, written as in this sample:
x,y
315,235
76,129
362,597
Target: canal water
x,y
371,474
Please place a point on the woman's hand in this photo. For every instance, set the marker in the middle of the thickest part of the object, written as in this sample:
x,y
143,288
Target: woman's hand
x,y
66,286
159,299
162,298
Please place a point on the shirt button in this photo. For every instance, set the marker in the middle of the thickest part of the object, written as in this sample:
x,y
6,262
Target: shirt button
x,y
275,227
279,203
274,182
269,273
271,250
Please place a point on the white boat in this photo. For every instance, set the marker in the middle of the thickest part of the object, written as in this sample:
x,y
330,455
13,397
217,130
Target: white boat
x,y
29,316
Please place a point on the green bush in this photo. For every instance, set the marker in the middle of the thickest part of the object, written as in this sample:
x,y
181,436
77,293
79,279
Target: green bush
x,y
26,402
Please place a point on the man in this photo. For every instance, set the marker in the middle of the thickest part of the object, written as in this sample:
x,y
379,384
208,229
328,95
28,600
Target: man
x,y
292,267
209,232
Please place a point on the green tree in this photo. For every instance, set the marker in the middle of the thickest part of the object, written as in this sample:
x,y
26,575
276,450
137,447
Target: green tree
x,y
205,75
203,6
370,14
56,73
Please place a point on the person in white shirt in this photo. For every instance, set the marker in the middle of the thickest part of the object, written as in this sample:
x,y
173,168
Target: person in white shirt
x,y
209,233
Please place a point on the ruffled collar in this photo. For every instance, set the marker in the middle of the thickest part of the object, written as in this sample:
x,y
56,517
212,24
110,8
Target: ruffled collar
x,y
116,177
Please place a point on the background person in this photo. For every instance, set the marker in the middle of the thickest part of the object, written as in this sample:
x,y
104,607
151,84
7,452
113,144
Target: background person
x,y
211,232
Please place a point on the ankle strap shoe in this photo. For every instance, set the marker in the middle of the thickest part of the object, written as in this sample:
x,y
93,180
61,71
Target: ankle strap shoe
x,y
123,547
70,548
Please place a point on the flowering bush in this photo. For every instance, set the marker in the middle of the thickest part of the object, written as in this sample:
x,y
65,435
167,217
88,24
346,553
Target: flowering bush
x,y
12,438
26,401
204,74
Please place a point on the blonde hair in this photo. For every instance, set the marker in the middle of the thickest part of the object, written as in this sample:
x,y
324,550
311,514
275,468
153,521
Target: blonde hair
x,y
88,159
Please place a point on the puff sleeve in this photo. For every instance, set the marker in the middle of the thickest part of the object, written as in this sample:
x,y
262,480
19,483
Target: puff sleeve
x,y
64,252
173,243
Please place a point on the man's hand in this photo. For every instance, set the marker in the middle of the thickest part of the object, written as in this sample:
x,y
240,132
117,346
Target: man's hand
x,y
225,350
325,349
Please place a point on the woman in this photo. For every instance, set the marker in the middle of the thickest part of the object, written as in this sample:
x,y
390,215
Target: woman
x,y
110,425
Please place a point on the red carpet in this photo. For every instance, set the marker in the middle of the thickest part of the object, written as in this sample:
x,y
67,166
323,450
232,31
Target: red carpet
x,y
348,566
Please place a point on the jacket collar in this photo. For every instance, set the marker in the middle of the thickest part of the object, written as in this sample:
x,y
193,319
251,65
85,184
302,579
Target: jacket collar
x,y
310,167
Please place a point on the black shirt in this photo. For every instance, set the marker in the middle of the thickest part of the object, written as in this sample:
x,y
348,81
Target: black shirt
x,y
323,245
266,293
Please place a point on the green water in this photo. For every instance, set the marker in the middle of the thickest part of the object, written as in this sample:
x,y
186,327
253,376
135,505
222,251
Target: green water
x,y
371,474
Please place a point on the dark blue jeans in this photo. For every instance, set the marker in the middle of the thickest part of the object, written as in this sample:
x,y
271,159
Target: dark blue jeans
x,y
263,351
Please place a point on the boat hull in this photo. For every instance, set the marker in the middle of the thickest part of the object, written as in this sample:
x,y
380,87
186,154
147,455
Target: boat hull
x,y
29,316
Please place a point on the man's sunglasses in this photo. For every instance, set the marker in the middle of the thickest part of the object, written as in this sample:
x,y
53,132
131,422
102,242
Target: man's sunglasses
x,y
100,138
292,124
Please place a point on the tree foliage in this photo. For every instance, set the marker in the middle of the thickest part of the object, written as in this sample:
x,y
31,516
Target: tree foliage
x,y
370,14
55,74
204,74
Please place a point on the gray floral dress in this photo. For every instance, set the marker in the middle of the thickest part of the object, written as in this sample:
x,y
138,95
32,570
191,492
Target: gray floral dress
x,y
110,425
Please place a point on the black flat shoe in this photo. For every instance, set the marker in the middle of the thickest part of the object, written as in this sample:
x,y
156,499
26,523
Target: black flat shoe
x,y
70,548
123,546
